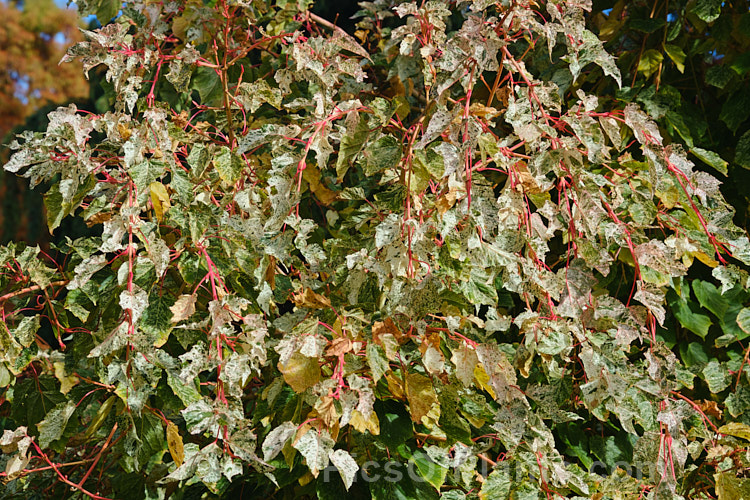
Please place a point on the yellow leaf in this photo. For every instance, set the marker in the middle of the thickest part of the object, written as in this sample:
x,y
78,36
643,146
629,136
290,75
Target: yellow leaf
x,y
174,442
159,199
421,396
395,386
483,380
709,261
306,478
124,131
311,174
736,429
66,381
300,372
372,425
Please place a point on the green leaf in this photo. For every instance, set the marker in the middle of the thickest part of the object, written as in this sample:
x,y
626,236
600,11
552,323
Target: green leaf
x,y
253,95
649,62
432,472
736,109
677,56
393,481
677,122
431,161
725,306
742,153
496,486
198,159
451,422
106,10
145,440
647,25
208,84
25,332
717,376
707,10
710,297
52,427
377,361
352,143
34,398
146,172
156,321
229,165
719,75
395,424
694,354
382,154
710,158
684,312
61,202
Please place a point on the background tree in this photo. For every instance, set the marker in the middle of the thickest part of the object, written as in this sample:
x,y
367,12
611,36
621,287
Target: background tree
x,y
34,36
33,39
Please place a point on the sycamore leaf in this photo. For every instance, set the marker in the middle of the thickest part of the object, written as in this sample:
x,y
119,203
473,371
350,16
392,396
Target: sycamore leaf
x,y
300,372
677,55
316,446
183,308
308,298
53,425
730,487
346,466
351,144
174,443
736,429
649,62
377,361
496,486
421,396
159,200
276,439
229,165
253,95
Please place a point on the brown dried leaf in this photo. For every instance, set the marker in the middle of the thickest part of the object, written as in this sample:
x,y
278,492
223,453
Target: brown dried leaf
x,y
183,308
380,328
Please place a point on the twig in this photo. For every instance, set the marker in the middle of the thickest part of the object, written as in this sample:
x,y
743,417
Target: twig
x,y
26,472
98,456
483,457
323,22
430,437
64,478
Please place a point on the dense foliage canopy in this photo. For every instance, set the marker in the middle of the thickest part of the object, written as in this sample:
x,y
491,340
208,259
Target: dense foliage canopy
x,y
470,250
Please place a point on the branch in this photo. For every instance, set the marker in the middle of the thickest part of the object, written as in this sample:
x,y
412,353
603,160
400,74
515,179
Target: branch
x,y
30,289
